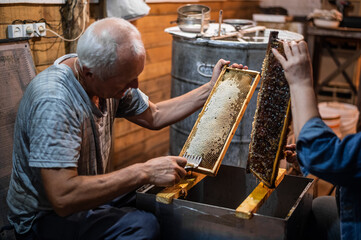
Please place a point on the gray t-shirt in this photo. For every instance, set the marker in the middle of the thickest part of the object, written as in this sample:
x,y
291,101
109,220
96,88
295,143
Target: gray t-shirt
x,y
57,126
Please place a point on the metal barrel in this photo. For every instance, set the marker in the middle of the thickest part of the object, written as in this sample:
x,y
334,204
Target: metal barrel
x,y
192,65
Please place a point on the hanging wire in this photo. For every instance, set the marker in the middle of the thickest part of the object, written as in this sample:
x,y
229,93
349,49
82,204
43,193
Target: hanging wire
x,y
83,28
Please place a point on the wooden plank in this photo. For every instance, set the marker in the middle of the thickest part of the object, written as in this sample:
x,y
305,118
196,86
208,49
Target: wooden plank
x,y
122,127
11,12
159,54
3,31
128,156
96,11
154,146
159,96
46,54
157,145
125,141
164,8
156,39
119,161
244,13
154,23
136,137
179,190
156,84
259,195
154,70
46,44
41,68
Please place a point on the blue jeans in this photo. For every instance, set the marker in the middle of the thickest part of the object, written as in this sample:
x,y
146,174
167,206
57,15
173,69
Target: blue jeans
x,y
116,220
324,222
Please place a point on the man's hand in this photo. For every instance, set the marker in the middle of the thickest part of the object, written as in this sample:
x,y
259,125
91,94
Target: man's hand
x,y
297,64
165,171
218,69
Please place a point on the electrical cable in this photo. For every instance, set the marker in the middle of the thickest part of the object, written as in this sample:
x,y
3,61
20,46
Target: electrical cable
x,y
83,28
50,25
24,21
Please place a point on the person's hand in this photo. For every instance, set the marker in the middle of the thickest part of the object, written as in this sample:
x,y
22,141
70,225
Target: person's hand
x,y
218,69
291,158
296,64
165,171
290,153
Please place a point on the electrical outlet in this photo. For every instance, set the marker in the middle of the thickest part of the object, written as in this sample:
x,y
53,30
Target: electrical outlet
x,y
28,30
39,29
15,31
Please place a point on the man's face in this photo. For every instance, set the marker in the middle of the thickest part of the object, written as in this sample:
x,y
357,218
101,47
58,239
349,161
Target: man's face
x,y
126,77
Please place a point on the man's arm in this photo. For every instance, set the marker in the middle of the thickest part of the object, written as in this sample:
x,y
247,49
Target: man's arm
x,y
298,72
319,150
69,193
173,110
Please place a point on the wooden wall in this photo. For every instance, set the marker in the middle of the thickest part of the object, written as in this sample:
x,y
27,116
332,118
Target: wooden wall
x,y
132,143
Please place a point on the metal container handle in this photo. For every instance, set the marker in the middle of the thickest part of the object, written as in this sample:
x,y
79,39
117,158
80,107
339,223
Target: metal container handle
x,y
203,69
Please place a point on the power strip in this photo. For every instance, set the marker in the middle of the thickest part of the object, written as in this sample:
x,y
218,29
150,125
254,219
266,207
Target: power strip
x,y
27,30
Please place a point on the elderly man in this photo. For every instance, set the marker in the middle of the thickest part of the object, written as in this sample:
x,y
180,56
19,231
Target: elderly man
x,y
321,152
59,187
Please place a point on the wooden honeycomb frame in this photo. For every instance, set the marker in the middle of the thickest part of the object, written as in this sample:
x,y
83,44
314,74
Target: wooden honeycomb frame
x,y
213,170
280,137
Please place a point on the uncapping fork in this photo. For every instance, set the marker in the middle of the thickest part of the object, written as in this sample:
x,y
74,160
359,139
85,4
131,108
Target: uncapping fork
x,y
193,161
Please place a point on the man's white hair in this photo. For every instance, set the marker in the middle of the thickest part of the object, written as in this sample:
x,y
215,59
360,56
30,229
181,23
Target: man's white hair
x,y
99,46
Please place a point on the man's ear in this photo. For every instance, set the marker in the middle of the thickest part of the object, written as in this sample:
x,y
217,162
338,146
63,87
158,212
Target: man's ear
x,y
87,72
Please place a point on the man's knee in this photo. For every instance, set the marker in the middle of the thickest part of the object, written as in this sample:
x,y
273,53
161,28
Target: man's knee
x,y
143,224
325,207
124,223
325,215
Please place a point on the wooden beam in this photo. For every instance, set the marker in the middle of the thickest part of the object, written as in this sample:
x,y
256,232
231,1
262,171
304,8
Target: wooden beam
x,y
168,194
73,13
259,195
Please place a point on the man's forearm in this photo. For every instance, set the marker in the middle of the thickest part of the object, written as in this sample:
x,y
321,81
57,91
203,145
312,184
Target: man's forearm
x,y
69,193
79,193
178,108
304,106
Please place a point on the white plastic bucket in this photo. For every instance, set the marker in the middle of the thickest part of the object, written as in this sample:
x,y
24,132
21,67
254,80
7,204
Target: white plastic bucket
x,y
348,116
332,120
